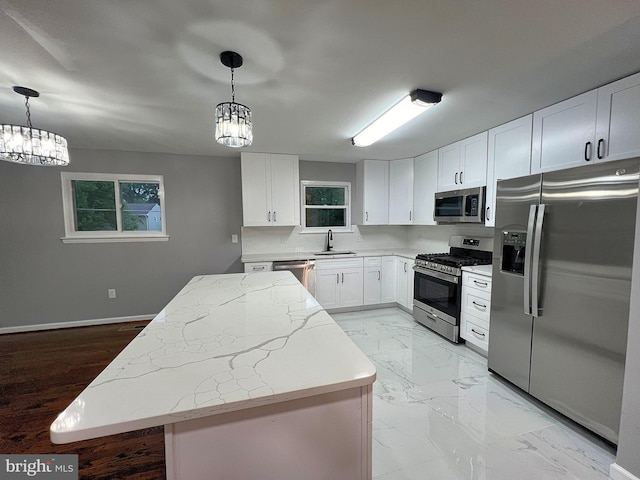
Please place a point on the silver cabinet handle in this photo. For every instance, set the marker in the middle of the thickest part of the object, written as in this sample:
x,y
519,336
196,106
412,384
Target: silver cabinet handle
x,y
405,267
378,275
479,306
337,278
460,178
274,216
257,269
488,218
269,216
478,333
409,215
481,284
366,216
342,277
456,178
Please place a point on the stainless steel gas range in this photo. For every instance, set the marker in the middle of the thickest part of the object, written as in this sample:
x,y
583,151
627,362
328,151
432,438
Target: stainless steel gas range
x,y
438,283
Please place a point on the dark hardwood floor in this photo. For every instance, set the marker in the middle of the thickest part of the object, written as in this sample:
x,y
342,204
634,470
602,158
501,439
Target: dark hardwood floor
x,y
41,373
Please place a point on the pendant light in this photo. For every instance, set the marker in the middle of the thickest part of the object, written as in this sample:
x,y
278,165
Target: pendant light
x,y
234,127
29,145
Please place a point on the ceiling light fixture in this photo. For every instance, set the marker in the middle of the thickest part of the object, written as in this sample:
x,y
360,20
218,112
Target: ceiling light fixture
x,y
417,102
29,145
234,127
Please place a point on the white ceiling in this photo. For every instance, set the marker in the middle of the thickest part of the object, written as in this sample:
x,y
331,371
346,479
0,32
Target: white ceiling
x,y
144,75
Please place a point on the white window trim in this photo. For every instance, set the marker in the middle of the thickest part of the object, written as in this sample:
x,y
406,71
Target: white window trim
x,y
72,236
303,207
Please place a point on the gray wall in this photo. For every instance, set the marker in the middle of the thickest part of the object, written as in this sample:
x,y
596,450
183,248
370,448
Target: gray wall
x,y
45,281
629,440
330,172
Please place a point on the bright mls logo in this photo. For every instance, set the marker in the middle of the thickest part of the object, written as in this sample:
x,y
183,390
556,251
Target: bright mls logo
x,y
51,467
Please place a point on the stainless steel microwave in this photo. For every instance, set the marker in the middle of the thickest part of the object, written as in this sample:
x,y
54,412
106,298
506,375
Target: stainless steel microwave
x,y
460,206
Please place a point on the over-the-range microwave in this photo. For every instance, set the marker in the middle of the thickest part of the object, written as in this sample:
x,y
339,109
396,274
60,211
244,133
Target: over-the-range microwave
x,y
460,206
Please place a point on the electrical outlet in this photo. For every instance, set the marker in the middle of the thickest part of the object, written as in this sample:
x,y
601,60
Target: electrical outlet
x,y
112,293
234,238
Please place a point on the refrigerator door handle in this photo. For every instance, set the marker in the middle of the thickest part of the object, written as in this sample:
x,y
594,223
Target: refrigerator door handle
x,y
533,211
536,309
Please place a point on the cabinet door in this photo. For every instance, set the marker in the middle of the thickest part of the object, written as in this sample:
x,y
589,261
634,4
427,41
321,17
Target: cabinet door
x,y
473,161
425,185
618,122
285,190
372,285
375,188
388,287
256,189
403,275
328,288
449,168
564,134
509,157
401,192
351,287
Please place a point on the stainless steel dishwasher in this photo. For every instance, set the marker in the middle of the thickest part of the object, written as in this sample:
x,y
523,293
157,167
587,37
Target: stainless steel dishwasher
x,y
304,271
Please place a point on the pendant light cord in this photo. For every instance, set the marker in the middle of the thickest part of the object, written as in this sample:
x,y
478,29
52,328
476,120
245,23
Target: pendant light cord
x,y
26,103
233,87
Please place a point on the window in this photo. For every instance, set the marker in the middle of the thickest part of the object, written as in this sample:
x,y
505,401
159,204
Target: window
x,y
326,205
106,207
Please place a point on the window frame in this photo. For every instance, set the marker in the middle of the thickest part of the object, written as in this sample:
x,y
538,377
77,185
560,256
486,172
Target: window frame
x,y
104,236
303,206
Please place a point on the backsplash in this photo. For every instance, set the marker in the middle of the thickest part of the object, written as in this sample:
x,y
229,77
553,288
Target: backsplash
x,y
363,237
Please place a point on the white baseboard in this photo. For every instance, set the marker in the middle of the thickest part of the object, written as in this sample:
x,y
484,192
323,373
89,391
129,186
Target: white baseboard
x,y
79,323
616,472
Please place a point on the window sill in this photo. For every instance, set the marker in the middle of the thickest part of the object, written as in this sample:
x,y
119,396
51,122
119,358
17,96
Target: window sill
x,y
131,238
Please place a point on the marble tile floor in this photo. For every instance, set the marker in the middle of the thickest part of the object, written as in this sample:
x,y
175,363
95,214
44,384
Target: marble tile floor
x,y
439,414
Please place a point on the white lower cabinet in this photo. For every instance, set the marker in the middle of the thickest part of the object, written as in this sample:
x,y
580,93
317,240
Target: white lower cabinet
x,y
404,285
339,283
379,280
476,307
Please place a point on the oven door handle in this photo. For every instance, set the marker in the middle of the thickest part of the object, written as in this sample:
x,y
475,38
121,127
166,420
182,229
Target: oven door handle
x,y
433,273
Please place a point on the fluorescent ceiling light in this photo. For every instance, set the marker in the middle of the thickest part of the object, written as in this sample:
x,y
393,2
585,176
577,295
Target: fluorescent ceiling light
x,y
417,102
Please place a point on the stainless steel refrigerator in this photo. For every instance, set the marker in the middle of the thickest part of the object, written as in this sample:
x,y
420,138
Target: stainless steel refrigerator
x,y
562,261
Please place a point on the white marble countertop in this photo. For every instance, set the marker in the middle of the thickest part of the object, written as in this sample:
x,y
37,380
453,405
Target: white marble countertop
x,y
485,270
283,256
224,343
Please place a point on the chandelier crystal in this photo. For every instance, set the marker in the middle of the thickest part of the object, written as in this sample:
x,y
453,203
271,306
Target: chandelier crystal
x,y
32,146
234,127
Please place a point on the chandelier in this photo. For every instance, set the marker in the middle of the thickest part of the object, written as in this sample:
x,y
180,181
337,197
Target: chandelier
x,y
29,145
233,120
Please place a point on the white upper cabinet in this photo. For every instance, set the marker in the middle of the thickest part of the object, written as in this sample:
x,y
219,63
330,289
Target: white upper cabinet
x,y
463,164
564,134
372,177
618,120
509,157
425,185
270,189
401,192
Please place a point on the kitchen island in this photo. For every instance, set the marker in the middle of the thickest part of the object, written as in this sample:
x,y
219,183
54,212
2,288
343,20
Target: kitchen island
x,y
250,377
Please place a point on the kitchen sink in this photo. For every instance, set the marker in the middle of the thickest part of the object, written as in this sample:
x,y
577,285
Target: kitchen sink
x,y
335,253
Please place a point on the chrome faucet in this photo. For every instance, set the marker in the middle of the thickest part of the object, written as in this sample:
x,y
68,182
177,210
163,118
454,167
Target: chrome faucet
x,y
329,240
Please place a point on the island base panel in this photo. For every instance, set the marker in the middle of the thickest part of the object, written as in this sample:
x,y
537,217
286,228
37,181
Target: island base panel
x,y
326,436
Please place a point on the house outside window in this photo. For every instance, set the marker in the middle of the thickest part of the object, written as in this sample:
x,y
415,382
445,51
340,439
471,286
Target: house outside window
x,y
325,205
111,207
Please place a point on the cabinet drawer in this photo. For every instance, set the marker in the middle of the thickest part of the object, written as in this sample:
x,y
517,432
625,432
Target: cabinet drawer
x,y
475,333
258,267
477,303
372,261
339,263
479,282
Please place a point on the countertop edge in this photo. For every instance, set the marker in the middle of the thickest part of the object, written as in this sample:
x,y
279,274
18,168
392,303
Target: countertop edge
x,y
60,438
